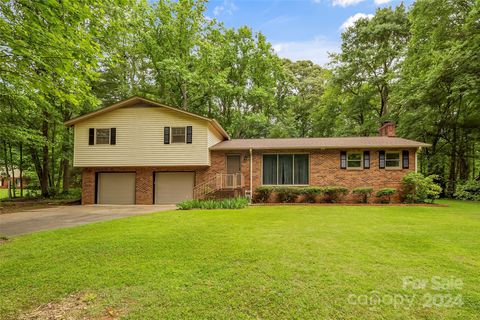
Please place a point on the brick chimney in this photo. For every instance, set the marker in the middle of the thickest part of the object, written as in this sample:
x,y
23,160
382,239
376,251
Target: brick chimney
x,y
387,129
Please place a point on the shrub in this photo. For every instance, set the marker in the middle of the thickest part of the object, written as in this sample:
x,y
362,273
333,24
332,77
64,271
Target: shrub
x,y
419,189
310,193
262,193
385,194
334,194
229,203
363,193
287,194
470,190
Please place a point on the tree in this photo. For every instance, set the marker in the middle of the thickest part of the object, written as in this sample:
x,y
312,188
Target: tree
x,y
371,52
440,85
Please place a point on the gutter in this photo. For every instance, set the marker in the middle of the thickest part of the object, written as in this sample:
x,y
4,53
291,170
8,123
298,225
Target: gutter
x,y
218,148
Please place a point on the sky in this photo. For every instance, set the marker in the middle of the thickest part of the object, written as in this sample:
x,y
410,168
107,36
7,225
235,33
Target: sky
x,y
297,29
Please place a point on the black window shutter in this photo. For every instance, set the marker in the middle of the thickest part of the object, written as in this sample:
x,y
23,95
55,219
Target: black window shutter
x,y
381,159
189,134
366,159
405,162
113,135
91,136
343,159
166,135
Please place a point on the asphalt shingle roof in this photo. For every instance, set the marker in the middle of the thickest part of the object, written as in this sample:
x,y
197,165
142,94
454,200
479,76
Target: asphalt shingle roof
x,y
318,143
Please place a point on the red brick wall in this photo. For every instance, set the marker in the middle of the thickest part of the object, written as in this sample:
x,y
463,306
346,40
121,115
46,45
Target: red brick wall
x,y
143,182
324,171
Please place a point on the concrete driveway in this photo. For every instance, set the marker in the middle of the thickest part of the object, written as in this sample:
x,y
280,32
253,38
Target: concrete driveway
x,y
12,224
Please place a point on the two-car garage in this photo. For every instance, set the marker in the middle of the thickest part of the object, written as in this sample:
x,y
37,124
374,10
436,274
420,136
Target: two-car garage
x,y
120,187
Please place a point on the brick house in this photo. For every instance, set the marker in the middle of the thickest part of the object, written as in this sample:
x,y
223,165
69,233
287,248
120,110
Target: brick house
x,y
6,178
138,151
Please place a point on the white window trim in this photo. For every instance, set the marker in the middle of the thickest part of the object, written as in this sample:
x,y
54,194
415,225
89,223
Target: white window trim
x,y
293,168
184,135
361,160
399,167
109,137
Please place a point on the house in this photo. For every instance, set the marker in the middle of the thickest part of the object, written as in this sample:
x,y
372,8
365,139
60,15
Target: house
x,y
138,151
4,179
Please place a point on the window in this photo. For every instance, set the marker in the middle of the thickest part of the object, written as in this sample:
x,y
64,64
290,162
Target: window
x,y
178,134
366,159
354,160
285,169
102,136
392,159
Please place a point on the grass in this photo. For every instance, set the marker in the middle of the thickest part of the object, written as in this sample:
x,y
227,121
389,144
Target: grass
x,y
258,262
4,193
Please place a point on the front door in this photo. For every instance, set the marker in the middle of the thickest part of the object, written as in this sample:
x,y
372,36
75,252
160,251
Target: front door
x,y
233,171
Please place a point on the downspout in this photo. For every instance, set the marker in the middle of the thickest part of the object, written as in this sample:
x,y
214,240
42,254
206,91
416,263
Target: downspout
x,y
416,159
251,175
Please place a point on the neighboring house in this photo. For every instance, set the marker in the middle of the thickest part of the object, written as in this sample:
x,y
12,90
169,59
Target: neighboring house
x,y
4,179
138,151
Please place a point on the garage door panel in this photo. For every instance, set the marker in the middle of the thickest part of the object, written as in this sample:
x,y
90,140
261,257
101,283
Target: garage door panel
x,y
116,188
173,187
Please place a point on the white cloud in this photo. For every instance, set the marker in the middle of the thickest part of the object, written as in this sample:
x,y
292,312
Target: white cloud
x,y
316,50
278,20
346,3
351,20
379,2
227,6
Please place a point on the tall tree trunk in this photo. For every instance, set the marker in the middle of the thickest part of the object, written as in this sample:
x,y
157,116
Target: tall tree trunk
x,y
384,101
473,160
452,176
45,162
12,168
51,177
5,162
20,167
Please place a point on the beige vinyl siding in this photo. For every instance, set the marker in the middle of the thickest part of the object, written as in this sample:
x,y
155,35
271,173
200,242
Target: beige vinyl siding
x,y
214,136
140,139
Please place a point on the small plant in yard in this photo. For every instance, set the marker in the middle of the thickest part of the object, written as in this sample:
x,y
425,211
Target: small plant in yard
x,y
363,193
385,194
229,203
470,190
334,194
287,194
310,193
262,194
418,188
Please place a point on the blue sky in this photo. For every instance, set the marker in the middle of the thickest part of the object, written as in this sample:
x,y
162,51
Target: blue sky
x,y
298,29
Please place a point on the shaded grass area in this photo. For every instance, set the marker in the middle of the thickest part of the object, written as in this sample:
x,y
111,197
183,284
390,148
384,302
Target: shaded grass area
x,y
4,194
259,262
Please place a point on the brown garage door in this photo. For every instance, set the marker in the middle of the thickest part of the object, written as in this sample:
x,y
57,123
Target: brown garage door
x,y
116,188
173,187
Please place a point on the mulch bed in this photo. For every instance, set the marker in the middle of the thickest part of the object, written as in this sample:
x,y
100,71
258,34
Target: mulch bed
x,y
11,206
353,204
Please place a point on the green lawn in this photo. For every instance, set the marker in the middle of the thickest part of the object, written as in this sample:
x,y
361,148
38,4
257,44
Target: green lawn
x,y
4,193
260,262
